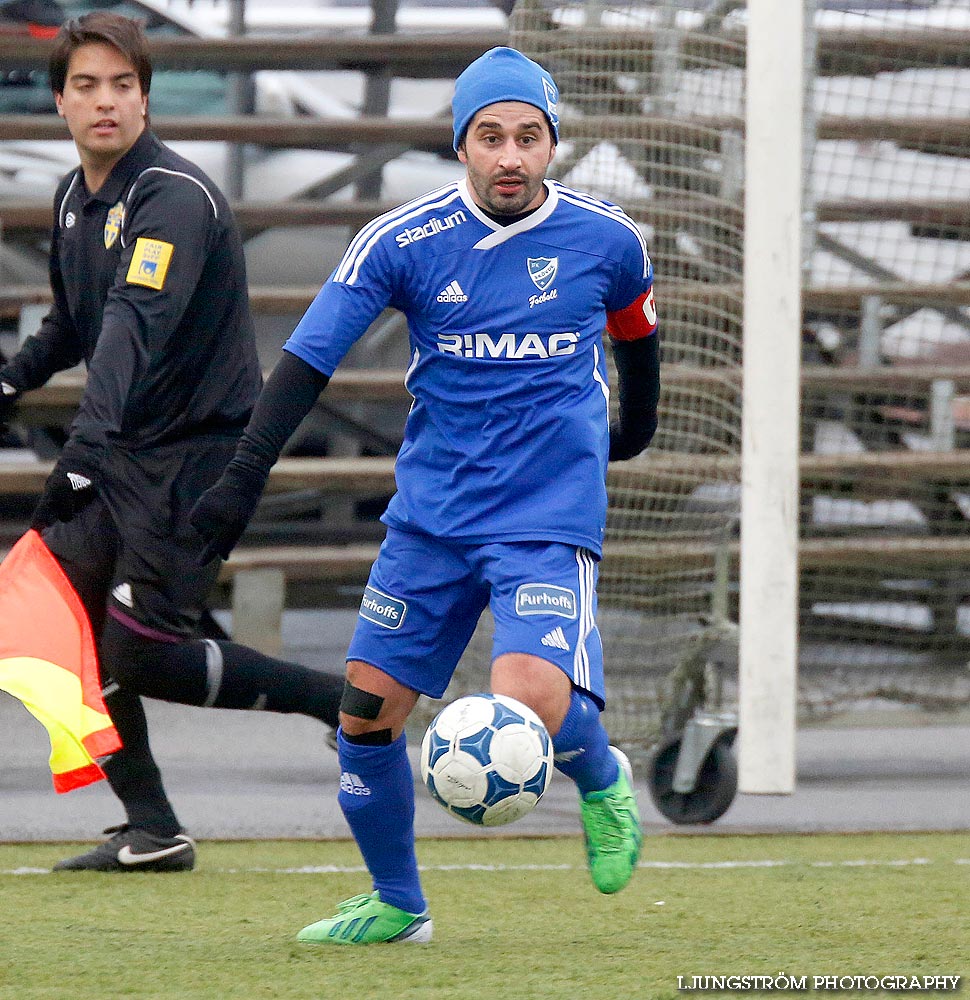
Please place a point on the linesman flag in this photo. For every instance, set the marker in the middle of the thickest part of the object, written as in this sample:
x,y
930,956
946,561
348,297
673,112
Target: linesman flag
x,y
48,661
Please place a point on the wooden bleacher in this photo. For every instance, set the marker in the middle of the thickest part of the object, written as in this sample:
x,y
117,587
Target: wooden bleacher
x,y
950,135
841,50
23,216
864,475
840,300
56,401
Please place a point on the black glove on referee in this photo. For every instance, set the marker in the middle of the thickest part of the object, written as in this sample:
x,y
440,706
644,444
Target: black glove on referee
x,y
638,388
70,487
9,394
221,514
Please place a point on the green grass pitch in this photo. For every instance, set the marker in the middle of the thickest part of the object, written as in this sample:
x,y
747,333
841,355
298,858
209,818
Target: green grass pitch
x,y
514,918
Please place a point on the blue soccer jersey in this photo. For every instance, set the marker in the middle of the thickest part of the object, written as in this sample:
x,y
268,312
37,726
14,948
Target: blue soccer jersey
x,y
508,436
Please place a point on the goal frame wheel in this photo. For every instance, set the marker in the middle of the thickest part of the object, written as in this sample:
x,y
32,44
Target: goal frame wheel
x,y
714,789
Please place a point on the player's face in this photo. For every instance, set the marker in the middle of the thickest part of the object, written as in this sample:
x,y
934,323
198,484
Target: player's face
x,y
103,104
508,148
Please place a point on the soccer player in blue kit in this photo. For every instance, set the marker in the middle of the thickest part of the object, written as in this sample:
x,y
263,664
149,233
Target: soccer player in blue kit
x,y
507,281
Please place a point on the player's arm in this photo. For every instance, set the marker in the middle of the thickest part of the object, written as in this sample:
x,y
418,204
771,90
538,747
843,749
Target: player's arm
x,y
636,352
167,234
221,514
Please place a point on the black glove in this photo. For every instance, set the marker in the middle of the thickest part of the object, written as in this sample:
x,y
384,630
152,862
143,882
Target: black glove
x,y
70,487
628,442
221,514
9,394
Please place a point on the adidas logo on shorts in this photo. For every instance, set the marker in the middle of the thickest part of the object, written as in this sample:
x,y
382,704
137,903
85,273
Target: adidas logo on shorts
x,y
556,639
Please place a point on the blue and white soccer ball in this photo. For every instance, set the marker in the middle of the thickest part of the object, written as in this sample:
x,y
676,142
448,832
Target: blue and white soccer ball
x,y
487,759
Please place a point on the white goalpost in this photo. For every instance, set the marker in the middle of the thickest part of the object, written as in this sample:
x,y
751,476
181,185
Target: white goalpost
x,y
768,581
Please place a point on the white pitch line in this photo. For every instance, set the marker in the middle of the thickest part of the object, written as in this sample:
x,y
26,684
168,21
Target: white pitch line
x,y
655,865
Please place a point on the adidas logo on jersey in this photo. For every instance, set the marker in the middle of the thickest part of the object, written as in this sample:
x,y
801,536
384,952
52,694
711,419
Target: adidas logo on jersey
x,y
556,639
352,785
452,293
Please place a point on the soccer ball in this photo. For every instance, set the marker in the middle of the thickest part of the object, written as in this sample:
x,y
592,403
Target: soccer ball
x,y
487,759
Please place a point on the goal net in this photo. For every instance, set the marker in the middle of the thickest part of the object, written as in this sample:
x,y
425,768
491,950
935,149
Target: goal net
x,y
653,119
651,112
885,484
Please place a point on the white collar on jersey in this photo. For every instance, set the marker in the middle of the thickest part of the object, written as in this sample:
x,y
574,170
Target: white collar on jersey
x,y
502,233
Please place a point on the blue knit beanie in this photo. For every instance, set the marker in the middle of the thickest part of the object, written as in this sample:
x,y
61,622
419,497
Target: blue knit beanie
x,y
503,74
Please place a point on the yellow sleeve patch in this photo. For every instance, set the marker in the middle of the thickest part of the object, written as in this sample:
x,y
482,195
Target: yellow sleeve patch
x,y
149,263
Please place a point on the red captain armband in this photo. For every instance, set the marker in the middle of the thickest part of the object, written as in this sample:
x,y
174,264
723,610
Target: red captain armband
x,y
637,321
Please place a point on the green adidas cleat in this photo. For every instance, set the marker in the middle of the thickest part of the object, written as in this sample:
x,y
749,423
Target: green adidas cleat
x,y
611,823
366,920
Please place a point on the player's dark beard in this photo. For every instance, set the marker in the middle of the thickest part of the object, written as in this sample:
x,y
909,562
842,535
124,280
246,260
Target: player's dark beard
x,y
514,205
511,204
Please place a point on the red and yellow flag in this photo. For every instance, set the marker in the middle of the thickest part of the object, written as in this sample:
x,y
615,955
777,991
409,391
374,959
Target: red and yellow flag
x,y
48,661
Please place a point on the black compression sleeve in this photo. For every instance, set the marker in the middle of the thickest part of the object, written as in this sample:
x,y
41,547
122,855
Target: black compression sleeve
x,y
638,389
287,397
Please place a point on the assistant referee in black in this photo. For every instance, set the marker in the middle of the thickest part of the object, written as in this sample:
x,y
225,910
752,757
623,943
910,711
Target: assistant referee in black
x,y
149,284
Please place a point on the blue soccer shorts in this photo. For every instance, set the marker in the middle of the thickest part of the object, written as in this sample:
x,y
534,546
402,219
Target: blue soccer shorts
x,y
425,595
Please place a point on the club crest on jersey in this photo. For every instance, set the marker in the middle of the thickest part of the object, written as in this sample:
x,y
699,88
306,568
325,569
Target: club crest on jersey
x,y
543,271
112,226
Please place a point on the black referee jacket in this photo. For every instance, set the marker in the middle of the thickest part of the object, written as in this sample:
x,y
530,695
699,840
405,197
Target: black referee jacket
x,y
149,284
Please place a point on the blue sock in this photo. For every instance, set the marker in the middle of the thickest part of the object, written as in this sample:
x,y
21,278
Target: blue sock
x,y
582,747
377,799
